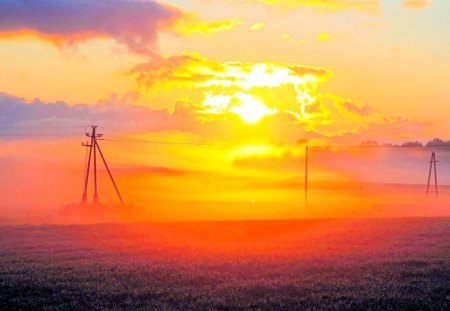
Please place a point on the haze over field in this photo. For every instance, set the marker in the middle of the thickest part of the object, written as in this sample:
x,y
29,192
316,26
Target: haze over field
x,y
207,106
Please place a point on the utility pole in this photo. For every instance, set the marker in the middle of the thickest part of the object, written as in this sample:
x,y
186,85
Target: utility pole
x,y
432,167
93,147
86,169
306,173
86,181
94,136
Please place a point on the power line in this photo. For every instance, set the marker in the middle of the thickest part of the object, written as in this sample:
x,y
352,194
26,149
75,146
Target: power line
x,y
160,142
274,145
41,135
18,131
13,127
190,143
112,128
378,146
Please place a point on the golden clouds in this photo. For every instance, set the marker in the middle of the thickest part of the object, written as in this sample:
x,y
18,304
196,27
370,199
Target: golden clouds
x,y
323,36
192,70
186,70
55,39
332,115
257,26
255,92
230,86
247,76
369,6
190,24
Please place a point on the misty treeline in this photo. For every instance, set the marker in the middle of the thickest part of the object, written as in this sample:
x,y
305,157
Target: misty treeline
x,y
432,143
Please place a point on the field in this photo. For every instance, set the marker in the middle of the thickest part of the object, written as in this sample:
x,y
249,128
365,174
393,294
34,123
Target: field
x,y
365,264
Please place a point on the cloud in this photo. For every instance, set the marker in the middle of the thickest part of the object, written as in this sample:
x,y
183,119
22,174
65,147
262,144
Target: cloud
x,y
132,23
328,118
179,70
225,100
416,4
331,115
393,128
257,26
21,119
323,37
192,70
190,24
225,84
363,111
368,6
18,115
278,98
240,89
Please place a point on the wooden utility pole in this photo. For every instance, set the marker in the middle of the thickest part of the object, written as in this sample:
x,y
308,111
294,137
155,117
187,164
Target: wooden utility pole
x,y
94,139
93,147
432,167
86,180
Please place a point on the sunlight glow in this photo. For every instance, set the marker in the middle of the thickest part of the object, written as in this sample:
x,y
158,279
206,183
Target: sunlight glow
x,y
250,109
247,76
247,107
241,82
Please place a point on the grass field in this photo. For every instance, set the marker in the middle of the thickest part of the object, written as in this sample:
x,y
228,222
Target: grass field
x,y
382,264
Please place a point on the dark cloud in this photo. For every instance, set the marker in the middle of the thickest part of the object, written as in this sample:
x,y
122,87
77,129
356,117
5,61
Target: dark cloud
x,y
130,22
113,113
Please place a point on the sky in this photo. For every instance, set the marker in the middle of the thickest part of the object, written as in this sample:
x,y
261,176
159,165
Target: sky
x,y
208,101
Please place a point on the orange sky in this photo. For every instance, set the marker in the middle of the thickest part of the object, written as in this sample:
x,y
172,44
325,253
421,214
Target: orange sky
x,y
211,79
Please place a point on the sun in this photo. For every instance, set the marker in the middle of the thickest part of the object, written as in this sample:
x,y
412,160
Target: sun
x,y
249,109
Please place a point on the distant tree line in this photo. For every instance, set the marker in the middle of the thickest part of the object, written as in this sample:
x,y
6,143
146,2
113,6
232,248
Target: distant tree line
x,y
431,143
